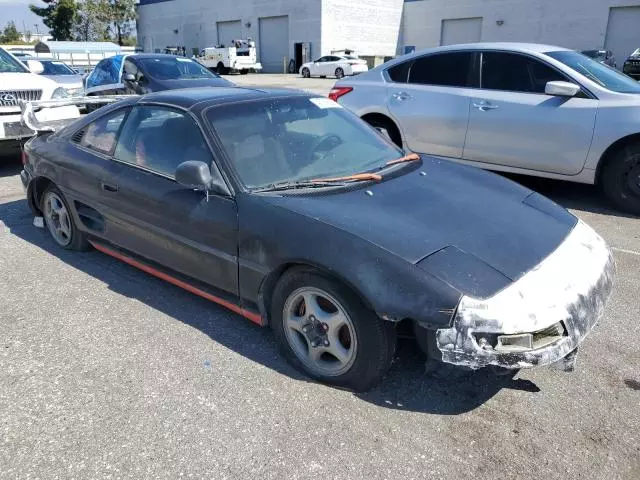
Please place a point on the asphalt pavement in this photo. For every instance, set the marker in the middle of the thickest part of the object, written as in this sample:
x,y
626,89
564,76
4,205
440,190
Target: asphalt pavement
x,y
106,372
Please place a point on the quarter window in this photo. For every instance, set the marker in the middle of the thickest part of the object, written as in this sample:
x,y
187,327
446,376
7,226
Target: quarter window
x,y
399,73
101,135
448,69
516,73
159,139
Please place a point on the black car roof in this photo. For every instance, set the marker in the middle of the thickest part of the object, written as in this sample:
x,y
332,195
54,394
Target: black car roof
x,y
208,96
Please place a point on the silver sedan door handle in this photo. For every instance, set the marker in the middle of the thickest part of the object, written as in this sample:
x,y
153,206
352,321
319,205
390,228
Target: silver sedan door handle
x,y
484,106
401,96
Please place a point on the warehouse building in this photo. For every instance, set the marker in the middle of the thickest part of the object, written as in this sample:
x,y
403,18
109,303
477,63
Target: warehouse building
x,y
378,29
282,29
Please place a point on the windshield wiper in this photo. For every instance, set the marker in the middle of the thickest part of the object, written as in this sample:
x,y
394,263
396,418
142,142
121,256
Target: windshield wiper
x,y
275,187
407,158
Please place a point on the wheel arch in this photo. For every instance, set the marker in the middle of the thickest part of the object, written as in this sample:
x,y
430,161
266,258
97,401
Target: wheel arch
x,y
372,116
268,285
611,152
36,189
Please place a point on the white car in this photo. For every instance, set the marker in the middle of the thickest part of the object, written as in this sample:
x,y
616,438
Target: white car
x,y
334,66
17,83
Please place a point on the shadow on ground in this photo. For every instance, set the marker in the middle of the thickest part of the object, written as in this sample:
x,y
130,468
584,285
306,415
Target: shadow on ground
x,y
575,196
407,386
10,164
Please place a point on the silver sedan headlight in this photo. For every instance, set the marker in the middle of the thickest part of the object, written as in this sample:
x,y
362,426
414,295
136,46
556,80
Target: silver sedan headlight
x,y
75,92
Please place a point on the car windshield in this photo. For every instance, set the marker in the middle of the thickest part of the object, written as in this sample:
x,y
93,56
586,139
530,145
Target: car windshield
x,y
8,64
597,72
297,139
174,68
54,67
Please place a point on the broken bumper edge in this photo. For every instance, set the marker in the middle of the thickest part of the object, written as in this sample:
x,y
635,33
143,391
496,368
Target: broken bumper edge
x,y
565,294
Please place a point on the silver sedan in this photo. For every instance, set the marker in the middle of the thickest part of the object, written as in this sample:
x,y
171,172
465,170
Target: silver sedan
x,y
521,108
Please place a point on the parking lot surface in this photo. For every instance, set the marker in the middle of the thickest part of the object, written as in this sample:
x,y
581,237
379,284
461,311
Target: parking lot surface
x,y
320,86
106,372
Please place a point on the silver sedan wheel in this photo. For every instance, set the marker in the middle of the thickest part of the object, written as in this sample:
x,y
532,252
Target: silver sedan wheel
x,y
57,218
319,331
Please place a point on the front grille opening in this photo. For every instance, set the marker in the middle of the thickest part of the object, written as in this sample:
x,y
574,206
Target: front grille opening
x,y
521,342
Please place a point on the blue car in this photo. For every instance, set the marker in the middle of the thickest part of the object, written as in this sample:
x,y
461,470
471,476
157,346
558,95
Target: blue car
x,y
145,73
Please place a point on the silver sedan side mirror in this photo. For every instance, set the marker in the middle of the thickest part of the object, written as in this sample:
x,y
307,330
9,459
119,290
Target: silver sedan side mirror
x,y
562,89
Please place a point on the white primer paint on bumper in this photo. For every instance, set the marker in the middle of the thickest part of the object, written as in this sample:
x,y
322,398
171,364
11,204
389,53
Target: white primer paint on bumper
x,y
570,286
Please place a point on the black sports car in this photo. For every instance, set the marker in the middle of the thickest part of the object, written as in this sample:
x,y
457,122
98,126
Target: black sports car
x,y
632,65
291,211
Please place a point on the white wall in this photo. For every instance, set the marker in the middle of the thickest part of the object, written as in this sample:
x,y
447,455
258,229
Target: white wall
x,y
196,20
370,27
576,24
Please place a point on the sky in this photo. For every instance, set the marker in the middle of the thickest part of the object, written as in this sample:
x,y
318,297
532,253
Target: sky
x,y
18,11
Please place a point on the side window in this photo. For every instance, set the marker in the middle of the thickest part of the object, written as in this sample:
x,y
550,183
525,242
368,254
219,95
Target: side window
x,y
447,69
321,59
159,139
399,73
516,73
101,135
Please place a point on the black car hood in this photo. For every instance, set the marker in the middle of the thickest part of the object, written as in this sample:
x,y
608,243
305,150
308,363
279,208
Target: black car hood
x,y
191,83
444,204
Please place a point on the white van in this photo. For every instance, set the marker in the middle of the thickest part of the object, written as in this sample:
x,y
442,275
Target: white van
x,y
19,81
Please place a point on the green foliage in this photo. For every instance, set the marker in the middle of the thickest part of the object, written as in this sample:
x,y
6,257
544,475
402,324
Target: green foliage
x,y
10,33
59,16
88,20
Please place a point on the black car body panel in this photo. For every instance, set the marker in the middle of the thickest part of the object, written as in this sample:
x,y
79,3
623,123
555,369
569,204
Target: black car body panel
x,y
405,215
412,246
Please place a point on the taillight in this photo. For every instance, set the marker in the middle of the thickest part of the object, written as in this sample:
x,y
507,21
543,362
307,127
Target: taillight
x,y
25,157
337,92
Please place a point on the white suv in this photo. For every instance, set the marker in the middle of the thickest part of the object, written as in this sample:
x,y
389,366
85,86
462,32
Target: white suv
x,y
18,83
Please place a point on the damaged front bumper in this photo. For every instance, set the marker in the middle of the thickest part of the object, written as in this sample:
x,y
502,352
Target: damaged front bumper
x,y
542,317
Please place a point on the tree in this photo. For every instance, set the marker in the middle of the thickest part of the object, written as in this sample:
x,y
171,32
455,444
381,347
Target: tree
x,y
91,21
120,13
10,33
59,16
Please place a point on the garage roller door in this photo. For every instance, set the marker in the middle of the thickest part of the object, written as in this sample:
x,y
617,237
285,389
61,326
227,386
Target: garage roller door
x,y
623,32
274,43
461,30
228,31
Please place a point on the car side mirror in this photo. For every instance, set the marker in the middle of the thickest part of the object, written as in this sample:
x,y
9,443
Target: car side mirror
x,y
562,89
198,176
34,66
129,77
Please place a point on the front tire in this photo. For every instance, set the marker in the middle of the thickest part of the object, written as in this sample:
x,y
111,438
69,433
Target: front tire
x,y
324,330
306,73
60,223
621,179
339,73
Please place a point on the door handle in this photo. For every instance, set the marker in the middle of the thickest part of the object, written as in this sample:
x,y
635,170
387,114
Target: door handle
x,y
107,187
401,96
484,106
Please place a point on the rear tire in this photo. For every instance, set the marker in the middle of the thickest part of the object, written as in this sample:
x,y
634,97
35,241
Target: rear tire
x,y
620,179
314,317
339,73
306,73
60,222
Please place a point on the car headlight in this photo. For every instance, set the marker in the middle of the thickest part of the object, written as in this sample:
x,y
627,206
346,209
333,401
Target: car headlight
x,y
59,93
75,92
